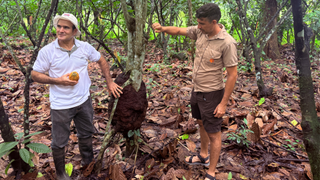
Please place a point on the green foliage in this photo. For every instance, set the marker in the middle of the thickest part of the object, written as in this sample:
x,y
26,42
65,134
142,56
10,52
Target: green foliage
x,y
134,132
184,137
69,168
7,147
261,101
229,176
240,136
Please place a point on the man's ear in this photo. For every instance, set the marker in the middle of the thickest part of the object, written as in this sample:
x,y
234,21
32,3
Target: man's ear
x,y
75,31
214,21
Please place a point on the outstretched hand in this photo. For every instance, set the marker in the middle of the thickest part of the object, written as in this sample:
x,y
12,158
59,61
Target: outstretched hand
x,y
115,89
157,27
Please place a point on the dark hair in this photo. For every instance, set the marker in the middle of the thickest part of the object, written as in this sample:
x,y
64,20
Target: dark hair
x,y
73,27
210,11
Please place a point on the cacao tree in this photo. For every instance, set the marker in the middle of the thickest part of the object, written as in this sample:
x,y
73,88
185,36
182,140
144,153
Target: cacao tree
x,y
310,122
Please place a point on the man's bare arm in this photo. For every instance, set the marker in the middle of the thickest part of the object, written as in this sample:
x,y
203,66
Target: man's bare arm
x,y
45,79
112,87
172,30
231,81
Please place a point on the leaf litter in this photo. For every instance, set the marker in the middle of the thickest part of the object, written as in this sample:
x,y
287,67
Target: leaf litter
x,y
276,149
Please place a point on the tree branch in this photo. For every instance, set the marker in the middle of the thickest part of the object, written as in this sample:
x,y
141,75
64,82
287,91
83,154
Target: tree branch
x,y
105,47
266,27
24,26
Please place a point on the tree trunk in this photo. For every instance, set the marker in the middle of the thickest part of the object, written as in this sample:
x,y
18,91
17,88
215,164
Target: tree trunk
x,y
190,24
135,112
310,122
271,49
18,164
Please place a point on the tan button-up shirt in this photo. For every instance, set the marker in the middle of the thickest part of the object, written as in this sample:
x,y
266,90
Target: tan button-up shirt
x,y
211,56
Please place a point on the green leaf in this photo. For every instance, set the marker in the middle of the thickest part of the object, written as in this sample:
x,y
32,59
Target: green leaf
x,y
245,121
26,141
137,132
18,135
130,133
25,155
69,168
32,134
185,136
39,148
229,176
5,147
261,101
8,166
39,175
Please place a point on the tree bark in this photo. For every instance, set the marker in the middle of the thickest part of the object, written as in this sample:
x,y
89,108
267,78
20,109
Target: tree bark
x,y
271,49
310,122
18,164
190,24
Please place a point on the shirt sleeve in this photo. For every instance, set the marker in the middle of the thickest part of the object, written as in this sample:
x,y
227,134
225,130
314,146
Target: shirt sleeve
x,y
192,32
230,57
93,54
42,63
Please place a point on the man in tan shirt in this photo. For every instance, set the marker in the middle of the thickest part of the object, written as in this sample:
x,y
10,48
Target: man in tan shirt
x,y
215,49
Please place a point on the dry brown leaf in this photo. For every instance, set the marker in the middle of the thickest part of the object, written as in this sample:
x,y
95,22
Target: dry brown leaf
x,y
149,164
116,172
269,127
180,173
255,136
307,168
285,172
182,153
225,120
233,128
89,169
259,121
250,119
191,145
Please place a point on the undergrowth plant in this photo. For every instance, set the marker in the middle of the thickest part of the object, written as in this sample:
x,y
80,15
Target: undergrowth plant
x,y
240,136
21,142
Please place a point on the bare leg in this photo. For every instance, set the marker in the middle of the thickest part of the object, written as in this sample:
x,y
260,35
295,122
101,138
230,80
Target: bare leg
x,y
215,148
204,138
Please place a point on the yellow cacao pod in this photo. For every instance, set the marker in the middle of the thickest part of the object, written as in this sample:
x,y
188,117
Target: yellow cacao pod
x,y
74,76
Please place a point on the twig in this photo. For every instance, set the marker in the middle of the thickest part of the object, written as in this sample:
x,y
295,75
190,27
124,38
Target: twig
x,y
296,160
183,145
285,148
108,134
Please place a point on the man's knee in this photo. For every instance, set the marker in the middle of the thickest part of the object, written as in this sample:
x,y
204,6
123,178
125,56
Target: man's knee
x,y
215,136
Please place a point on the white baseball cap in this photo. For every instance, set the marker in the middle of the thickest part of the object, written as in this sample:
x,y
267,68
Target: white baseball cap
x,y
69,17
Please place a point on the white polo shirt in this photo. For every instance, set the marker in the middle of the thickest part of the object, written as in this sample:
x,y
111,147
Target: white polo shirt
x,y
57,62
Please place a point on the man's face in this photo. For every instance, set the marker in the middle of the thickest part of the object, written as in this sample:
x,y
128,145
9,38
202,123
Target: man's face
x,y
64,30
205,26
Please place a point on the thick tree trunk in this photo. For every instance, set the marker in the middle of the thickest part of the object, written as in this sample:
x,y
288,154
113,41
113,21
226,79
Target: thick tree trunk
x,y
310,122
271,49
18,164
133,110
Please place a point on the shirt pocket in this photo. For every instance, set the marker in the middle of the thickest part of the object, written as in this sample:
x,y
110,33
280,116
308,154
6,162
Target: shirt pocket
x,y
212,58
79,62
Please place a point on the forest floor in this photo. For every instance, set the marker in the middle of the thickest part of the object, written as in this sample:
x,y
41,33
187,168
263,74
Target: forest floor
x,y
274,150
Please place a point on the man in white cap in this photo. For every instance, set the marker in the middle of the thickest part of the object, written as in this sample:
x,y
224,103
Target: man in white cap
x,y
70,100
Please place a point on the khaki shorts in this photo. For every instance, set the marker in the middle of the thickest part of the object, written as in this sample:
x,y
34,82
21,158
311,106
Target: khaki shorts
x,y
203,105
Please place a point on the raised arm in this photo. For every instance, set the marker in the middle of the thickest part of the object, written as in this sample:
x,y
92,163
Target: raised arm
x,y
172,30
45,79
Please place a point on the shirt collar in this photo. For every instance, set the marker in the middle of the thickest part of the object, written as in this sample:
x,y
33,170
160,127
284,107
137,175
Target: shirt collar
x,y
76,42
220,35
